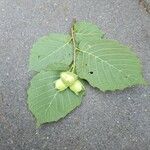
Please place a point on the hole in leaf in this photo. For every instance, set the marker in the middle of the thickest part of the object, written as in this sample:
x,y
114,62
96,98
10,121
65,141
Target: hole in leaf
x,y
91,72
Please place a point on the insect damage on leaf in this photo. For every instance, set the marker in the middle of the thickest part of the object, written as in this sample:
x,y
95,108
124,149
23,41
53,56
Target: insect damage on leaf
x,y
64,60
113,66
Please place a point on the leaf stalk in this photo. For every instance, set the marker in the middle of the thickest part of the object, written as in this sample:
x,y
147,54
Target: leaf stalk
x,y
74,47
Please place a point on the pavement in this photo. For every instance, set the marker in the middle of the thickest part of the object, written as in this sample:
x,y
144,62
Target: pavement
x,y
105,121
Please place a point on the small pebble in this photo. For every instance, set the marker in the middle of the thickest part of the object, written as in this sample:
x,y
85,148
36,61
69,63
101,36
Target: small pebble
x,y
55,4
117,121
145,110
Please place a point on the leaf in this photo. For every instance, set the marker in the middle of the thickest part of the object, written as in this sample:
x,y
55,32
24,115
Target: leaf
x,y
86,30
45,102
53,49
108,65
57,66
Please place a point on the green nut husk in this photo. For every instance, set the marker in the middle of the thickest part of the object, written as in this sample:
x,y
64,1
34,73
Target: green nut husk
x,y
59,85
77,87
68,77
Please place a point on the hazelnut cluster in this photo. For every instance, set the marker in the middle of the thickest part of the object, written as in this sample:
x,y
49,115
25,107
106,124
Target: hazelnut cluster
x,y
69,79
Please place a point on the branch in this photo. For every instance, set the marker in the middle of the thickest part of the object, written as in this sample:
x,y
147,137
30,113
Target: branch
x,y
74,45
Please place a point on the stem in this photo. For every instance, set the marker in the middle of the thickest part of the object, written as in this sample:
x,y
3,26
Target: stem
x,y
74,46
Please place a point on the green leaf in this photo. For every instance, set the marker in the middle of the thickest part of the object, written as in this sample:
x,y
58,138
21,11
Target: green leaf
x,y
53,49
45,102
57,66
86,30
108,65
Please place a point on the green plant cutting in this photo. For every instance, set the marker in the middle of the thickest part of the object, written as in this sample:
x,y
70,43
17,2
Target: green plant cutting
x,y
64,62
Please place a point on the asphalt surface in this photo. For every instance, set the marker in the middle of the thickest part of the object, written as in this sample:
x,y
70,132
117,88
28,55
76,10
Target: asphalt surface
x,y
105,121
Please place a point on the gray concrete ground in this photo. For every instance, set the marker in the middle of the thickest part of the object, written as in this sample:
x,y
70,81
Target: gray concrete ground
x,y
105,121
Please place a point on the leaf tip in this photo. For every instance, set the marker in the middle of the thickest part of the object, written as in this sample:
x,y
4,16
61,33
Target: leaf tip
x,y
38,124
